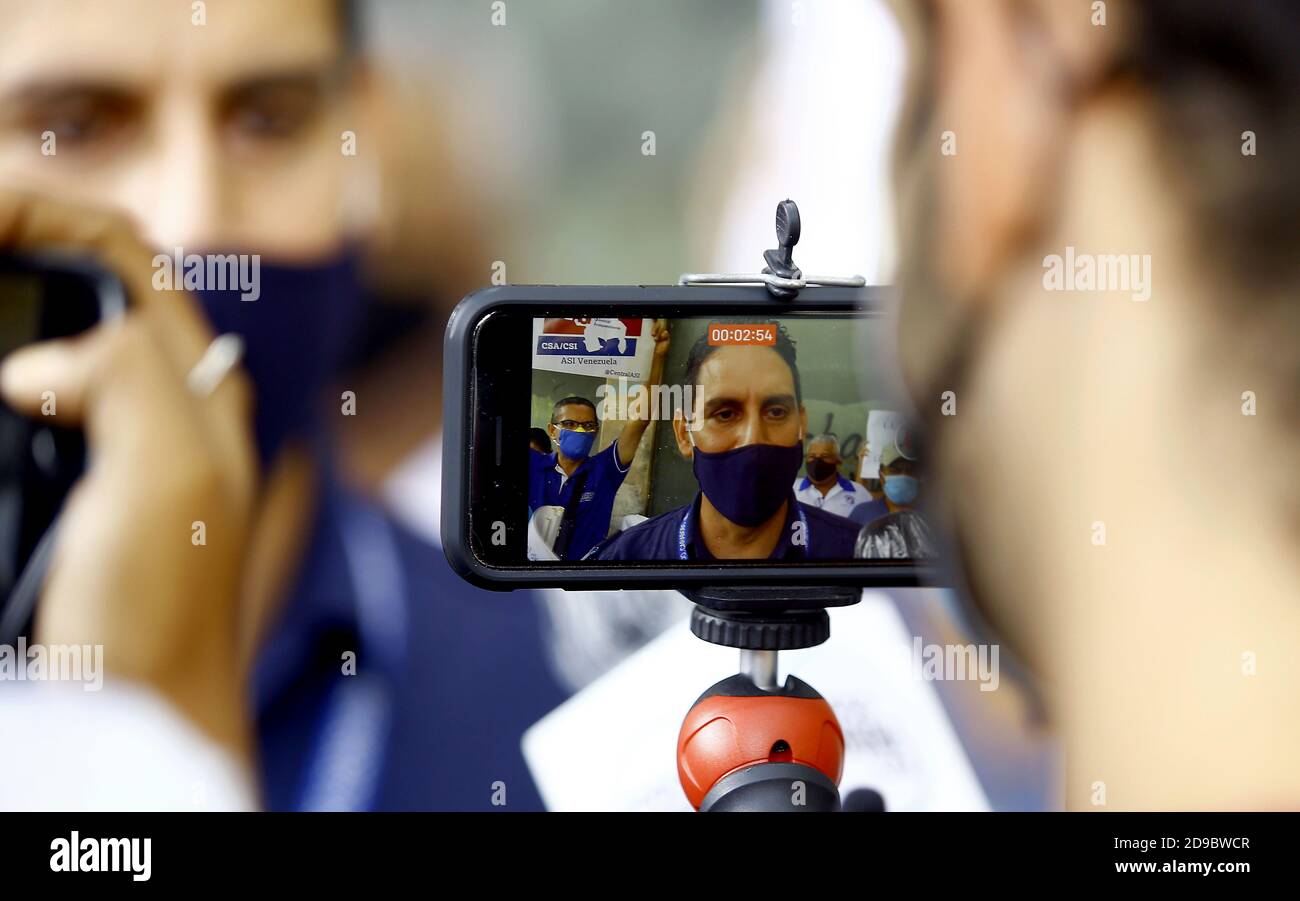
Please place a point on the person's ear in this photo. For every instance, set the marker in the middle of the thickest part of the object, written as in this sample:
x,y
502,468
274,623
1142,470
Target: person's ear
x,y
684,446
553,430
1005,75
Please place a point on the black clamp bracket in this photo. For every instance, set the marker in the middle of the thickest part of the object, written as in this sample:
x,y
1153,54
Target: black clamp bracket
x,y
784,280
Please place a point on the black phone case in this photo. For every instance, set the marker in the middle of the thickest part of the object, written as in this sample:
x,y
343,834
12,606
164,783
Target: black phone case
x,y
459,394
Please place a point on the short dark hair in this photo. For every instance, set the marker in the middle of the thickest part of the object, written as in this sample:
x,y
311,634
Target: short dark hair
x,y
1217,68
573,399
701,350
539,436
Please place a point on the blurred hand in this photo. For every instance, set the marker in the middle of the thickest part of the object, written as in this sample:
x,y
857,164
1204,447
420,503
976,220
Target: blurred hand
x,y
127,572
659,331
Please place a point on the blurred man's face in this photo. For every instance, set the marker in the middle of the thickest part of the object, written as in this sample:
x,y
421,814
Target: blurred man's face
x,y
978,164
217,135
747,397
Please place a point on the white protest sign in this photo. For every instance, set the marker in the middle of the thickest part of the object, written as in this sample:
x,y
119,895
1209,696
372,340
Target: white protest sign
x,y
882,431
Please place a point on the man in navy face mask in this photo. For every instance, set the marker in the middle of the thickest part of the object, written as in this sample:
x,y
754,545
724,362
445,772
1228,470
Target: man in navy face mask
x,y
213,549
744,452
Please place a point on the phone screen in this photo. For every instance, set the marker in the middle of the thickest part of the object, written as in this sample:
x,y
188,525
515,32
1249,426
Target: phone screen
x,y
693,440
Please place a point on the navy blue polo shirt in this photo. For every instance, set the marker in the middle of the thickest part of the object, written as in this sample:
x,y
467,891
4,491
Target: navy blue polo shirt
x,y
388,683
603,475
866,513
672,534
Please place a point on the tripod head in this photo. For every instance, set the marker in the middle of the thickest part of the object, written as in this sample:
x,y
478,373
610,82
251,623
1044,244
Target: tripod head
x,y
767,618
749,742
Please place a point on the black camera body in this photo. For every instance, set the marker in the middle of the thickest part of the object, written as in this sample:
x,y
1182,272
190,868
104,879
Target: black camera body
x,y
42,296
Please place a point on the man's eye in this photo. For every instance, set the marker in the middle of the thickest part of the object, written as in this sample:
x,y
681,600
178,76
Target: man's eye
x,y
80,125
777,412
276,116
724,415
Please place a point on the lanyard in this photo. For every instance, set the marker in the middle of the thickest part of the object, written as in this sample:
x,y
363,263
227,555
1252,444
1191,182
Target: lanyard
x,y
681,531
343,768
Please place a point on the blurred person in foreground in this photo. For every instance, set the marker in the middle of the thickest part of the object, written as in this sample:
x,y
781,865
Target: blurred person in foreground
x,y
310,638
1159,609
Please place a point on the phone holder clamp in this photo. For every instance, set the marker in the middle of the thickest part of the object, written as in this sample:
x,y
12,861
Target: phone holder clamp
x,y
784,280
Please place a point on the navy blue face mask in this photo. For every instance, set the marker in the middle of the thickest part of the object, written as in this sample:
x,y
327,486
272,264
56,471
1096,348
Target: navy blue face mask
x,y
296,334
748,484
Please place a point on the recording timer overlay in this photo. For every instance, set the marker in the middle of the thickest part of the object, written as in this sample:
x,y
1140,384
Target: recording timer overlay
x,y
730,334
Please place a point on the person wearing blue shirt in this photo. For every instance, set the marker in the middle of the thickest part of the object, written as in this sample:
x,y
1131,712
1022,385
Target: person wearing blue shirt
x,y
676,535
898,475
744,450
582,483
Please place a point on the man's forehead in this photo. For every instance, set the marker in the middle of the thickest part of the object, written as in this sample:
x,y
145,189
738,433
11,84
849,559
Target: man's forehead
x,y
739,371
824,443
570,411
141,42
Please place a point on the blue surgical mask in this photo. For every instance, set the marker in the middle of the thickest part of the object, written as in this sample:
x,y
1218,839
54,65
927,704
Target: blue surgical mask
x,y
901,490
748,484
296,334
576,445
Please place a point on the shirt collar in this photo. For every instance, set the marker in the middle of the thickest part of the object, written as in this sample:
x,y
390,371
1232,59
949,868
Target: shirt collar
x,y
555,465
696,549
843,483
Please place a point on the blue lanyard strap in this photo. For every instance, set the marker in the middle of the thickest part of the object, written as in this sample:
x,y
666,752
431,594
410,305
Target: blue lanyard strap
x,y
342,772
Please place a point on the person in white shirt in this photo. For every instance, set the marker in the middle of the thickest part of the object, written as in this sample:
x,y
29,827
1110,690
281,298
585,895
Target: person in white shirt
x,y
824,486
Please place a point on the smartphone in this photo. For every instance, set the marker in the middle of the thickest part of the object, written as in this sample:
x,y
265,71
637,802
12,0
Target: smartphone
x,y
42,297
672,436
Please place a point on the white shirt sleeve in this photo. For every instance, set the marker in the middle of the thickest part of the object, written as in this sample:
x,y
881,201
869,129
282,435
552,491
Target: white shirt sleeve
x,y
121,748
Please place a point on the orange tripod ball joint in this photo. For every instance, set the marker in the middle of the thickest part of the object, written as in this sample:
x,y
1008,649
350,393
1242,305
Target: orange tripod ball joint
x,y
748,743
744,748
